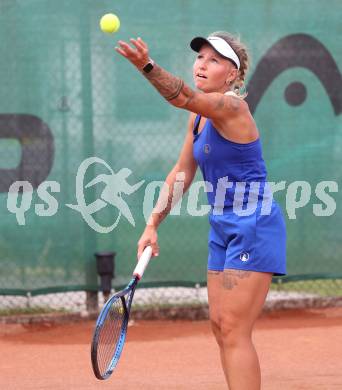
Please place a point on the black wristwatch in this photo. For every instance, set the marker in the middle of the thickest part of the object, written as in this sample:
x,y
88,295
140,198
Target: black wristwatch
x,y
149,66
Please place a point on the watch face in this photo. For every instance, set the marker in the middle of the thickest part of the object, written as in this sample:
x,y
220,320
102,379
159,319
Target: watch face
x,y
148,67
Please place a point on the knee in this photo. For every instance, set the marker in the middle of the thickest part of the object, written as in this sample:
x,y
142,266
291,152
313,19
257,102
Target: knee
x,y
235,332
230,331
216,329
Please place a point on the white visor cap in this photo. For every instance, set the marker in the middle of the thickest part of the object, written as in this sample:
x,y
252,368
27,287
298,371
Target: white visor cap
x,y
219,44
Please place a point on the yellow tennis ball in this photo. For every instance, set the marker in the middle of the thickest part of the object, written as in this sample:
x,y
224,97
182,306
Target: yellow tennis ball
x,y
109,23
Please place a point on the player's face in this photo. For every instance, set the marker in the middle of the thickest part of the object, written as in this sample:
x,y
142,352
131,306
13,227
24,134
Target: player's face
x,y
211,71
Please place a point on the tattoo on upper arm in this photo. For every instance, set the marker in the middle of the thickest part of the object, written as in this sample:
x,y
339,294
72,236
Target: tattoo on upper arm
x,y
231,277
220,103
234,103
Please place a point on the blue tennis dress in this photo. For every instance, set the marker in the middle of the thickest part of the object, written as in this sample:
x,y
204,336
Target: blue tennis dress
x,y
247,227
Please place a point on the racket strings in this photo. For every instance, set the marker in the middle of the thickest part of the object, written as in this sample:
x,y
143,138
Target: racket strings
x,y
109,336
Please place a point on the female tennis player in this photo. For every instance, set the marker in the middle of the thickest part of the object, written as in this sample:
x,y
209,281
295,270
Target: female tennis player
x,y
245,248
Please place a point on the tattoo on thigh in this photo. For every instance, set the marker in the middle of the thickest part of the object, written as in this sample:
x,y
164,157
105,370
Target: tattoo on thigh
x,y
210,272
231,277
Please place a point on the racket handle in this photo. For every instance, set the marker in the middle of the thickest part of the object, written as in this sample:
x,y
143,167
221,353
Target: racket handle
x,y
143,262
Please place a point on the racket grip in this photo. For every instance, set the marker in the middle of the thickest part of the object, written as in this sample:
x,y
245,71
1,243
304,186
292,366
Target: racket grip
x,y
143,262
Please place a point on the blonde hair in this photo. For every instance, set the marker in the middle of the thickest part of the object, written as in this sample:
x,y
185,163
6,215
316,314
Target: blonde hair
x,y
238,85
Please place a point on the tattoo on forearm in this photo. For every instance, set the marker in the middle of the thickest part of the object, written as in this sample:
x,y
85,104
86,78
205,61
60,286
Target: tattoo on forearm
x,y
162,214
168,85
169,196
159,215
179,86
189,95
171,193
231,277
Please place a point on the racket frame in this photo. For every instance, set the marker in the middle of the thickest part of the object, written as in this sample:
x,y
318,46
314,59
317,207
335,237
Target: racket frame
x,y
100,321
130,288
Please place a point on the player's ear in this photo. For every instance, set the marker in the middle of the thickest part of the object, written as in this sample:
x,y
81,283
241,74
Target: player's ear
x,y
234,72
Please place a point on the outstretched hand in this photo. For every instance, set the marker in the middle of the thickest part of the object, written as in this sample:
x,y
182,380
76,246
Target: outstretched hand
x,y
138,56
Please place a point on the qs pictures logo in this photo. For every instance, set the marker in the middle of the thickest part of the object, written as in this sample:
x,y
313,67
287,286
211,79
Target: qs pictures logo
x,y
115,186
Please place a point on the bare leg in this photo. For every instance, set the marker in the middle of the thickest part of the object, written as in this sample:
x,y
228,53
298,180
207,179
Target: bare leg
x,y
235,300
214,288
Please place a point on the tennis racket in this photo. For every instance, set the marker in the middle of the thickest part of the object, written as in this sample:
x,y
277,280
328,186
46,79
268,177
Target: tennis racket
x,y
111,325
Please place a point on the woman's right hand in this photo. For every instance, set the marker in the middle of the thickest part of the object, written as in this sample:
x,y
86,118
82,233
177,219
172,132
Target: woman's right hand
x,y
149,237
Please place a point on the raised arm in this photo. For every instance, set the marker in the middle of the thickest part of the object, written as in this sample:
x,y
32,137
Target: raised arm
x,y
184,170
210,105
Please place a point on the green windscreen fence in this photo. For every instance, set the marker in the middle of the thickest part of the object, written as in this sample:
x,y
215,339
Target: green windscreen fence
x,y
67,96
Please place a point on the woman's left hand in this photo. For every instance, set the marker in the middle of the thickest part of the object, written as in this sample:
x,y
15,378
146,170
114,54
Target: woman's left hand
x,y
138,56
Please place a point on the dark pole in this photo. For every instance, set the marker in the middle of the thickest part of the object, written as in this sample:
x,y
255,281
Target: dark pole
x,y
105,264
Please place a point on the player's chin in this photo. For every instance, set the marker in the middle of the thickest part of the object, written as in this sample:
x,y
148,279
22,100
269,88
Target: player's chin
x,y
202,87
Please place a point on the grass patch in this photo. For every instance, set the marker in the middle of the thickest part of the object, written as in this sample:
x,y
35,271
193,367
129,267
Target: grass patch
x,y
166,305
321,287
30,310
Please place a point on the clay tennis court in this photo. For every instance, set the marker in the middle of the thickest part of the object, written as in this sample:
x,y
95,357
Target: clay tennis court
x,y
298,350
